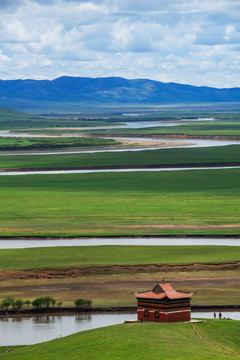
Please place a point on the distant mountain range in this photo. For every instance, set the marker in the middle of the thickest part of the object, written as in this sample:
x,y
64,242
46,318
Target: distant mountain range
x,y
108,90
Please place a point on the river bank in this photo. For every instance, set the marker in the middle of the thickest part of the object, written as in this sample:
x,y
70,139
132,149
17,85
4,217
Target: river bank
x,y
58,311
142,166
170,136
124,145
162,236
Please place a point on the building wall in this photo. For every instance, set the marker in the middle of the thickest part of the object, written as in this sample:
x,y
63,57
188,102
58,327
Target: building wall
x,y
153,315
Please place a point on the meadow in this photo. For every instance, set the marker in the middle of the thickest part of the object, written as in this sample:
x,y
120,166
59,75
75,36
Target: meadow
x,y
86,256
220,154
134,203
113,285
224,127
24,143
12,120
215,339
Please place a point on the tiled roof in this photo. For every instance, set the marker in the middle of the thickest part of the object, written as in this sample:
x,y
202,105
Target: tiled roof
x,y
160,291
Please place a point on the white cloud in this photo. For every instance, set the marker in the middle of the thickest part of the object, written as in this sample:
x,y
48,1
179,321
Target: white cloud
x,y
188,41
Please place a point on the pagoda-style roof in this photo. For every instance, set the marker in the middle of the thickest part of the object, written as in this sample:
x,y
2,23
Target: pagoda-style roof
x,y
163,290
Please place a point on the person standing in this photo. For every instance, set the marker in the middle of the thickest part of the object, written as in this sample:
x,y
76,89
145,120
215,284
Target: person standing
x,y
220,315
214,315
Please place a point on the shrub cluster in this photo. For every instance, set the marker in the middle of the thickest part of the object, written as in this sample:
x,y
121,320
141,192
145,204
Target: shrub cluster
x,y
83,304
40,302
10,302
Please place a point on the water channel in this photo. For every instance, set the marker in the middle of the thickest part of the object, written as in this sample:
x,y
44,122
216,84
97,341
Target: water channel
x,y
139,241
194,143
59,172
130,125
124,125
35,329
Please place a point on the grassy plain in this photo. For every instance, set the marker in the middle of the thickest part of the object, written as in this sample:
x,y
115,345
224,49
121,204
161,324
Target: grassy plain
x,y
218,127
114,286
24,143
169,202
110,274
84,256
180,202
12,120
224,154
209,340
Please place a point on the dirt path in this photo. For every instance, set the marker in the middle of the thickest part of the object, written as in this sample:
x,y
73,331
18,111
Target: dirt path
x,y
213,342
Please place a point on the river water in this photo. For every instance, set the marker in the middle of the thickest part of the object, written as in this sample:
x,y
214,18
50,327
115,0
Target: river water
x,y
124,125
156,241
35,329
59,172
133,125
194,143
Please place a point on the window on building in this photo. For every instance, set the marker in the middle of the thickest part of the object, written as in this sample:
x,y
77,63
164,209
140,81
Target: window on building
x,y
146,313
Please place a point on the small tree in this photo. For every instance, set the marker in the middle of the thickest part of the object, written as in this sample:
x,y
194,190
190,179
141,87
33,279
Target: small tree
x,y
59,303
79,303
5,304
28,303
82,303
47,301
89,304
38,303
11,300
18,303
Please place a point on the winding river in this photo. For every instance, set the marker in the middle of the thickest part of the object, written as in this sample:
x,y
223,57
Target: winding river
x,y
133,125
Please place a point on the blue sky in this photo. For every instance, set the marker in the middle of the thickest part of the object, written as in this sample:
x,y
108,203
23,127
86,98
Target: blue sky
x,y
186,41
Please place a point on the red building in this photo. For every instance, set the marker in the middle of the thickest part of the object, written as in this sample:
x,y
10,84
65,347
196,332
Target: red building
x,y
164,304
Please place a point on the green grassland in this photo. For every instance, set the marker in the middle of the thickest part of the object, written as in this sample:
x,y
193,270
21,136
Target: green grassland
x,y
223,154
219,340
58,257
12,120
209,128
227,123
180,202
114,285
22,143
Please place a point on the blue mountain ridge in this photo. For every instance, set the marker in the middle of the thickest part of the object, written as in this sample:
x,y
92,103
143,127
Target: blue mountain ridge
x,y
112,90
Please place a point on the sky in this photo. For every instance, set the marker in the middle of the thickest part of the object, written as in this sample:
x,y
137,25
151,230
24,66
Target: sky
x,y
193,42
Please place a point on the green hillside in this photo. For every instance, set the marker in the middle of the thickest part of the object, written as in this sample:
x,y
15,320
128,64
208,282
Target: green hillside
x,y
217,339
10,114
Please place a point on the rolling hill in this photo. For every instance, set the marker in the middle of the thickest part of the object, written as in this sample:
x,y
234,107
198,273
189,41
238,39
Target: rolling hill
x,y
23,93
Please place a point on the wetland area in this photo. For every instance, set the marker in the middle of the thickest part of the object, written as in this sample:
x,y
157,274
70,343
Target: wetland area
x,y
101,222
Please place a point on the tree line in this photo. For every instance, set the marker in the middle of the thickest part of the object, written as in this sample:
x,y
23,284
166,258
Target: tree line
x,y
10,302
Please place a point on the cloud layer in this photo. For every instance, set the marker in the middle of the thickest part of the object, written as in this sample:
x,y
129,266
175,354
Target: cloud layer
x,y
188,41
